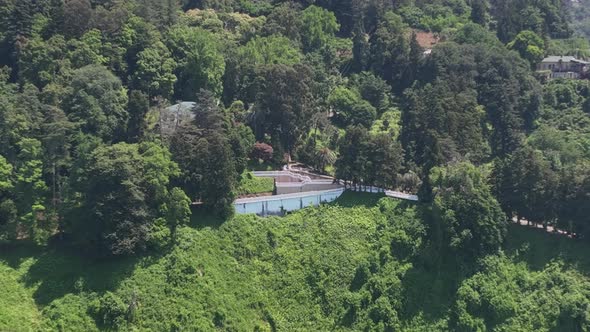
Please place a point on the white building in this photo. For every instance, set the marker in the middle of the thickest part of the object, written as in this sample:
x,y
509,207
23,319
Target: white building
x,y
563,67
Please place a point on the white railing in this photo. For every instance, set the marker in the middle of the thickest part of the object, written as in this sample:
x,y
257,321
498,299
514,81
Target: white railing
x,y
400,195
286,196
280,204
388,193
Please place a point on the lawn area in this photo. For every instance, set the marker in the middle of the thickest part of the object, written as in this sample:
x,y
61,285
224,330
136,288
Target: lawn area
x,y
18,307
352,199
252,185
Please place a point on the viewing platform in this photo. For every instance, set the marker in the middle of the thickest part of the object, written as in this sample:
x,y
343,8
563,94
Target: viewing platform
x,y
296,189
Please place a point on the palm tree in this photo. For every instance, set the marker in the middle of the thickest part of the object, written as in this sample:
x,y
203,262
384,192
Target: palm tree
x,y
324,157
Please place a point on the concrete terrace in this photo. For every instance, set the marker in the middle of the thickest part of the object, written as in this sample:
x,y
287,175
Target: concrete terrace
x,y
297,189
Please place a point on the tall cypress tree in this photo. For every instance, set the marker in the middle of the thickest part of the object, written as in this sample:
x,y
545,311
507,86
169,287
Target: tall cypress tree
x,y
203,151
19,29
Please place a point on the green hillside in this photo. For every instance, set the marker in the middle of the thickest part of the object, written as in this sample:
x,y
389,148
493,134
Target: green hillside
x,y
117,115
330,268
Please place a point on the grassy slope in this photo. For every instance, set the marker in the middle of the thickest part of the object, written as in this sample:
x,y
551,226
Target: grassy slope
x,y
249,273
18,308
250,184
537,248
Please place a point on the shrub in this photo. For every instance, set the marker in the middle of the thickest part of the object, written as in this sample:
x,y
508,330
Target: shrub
x,y
109,311
262,151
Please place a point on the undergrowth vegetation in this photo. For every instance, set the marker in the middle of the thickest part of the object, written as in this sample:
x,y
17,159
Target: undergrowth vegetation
x,y
364,263
251,185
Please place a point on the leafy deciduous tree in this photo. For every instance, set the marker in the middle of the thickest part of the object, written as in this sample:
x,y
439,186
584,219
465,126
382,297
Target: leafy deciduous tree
x,y
97,102
123,189
474,224
200,63
318,26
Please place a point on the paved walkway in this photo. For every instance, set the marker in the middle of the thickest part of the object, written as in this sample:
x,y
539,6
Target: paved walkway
x,y
312,192
307,174
549,229
388,193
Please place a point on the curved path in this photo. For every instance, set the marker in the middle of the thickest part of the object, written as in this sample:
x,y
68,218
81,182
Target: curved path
x,y
389,193
300,188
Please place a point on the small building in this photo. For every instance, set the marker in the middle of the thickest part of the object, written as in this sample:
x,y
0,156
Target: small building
x,y
563,67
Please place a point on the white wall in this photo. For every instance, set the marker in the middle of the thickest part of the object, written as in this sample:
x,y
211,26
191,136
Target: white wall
x,y
278,205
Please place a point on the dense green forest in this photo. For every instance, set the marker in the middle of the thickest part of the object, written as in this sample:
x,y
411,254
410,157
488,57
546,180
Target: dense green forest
x,y
439,98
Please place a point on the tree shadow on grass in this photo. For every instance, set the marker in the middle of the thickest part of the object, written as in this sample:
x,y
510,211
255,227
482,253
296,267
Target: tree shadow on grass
x,y
58,270
430,291
537,248
350,199
430,286
202,217
14,255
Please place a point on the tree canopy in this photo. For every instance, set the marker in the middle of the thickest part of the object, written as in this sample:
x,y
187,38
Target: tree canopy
x,y
410,96
129,128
